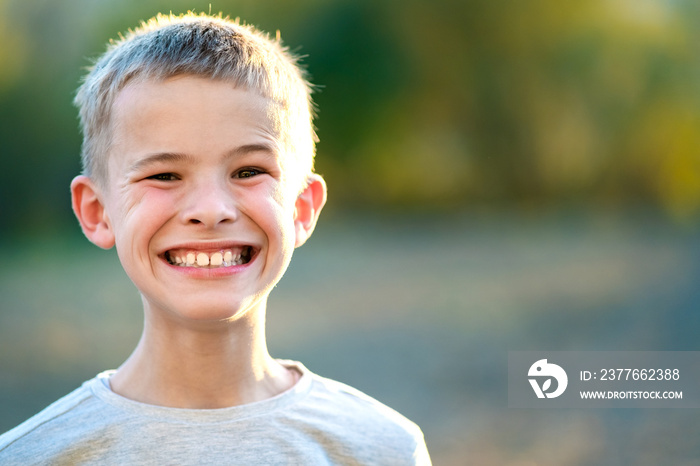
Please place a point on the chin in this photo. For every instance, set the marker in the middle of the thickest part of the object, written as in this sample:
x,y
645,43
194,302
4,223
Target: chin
x,y
217,312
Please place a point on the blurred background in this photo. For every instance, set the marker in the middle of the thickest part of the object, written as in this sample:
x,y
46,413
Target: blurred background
x,y
504,176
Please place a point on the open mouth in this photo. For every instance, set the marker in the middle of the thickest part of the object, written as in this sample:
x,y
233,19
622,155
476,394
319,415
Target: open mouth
x,y
211,260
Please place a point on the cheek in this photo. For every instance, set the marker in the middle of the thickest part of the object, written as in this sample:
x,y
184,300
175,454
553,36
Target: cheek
x,y
277,199
286,223
279,220
281,223
280,194
140,212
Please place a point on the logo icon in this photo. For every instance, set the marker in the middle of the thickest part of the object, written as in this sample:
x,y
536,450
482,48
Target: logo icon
x,y
544,371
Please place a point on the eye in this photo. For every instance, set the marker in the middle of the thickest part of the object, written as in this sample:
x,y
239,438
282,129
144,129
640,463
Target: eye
x,y
247,173
163,177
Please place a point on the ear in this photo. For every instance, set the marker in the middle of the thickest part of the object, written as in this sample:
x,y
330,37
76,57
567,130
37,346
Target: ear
x,y
91,213
308,207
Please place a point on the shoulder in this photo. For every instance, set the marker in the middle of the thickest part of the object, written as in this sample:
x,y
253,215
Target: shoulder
x,y
46,431
356,404
346,415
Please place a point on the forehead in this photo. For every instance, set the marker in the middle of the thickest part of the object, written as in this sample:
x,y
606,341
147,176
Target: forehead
x,y
196,104
196,116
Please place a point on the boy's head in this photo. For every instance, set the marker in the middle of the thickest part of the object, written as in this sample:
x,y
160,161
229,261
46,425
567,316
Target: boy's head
x,y
202,46
198,154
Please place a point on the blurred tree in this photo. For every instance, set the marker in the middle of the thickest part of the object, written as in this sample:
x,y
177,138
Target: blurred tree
x,y
441,103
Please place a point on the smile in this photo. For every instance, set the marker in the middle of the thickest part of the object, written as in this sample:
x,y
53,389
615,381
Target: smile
x,y
211,260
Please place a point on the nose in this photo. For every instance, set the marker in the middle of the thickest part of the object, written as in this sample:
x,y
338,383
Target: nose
x,y
209,204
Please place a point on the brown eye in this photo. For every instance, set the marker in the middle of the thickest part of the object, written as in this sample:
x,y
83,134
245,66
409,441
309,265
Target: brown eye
x,y
248,173
163,177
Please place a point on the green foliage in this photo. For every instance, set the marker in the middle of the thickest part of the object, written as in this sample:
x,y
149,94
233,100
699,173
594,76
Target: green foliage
x,y
421,103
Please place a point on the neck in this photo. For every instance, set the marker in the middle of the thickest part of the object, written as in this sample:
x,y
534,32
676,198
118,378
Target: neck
x,y
202,367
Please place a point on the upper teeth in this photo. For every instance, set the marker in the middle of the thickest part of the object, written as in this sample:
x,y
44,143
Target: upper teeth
x,y
225,258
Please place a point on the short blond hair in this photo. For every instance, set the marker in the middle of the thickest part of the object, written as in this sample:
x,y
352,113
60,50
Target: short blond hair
x,y
200,45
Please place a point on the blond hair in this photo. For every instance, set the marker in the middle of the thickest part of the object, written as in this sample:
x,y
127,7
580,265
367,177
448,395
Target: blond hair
x,y
199,45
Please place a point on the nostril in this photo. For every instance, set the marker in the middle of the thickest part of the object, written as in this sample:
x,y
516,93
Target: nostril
x,y
208,209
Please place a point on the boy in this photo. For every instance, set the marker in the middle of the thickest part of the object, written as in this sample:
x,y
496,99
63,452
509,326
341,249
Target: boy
x,y
198,166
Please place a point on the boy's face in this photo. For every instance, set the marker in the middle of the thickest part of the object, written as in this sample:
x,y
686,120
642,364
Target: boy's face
x,y
201,201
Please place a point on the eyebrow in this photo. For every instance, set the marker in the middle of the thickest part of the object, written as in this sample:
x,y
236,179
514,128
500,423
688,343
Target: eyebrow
x,y
269,149
158,158
161,157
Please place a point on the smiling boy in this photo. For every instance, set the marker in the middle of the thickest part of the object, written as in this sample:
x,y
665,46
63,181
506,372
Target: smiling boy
x,y
198,166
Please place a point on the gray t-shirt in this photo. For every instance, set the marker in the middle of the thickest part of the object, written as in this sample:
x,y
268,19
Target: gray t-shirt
x,y
316,422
